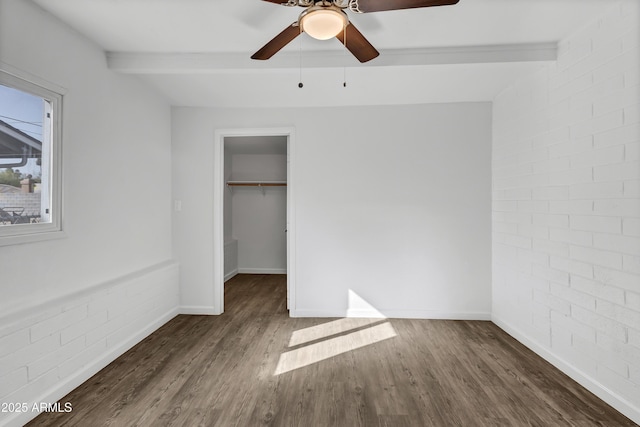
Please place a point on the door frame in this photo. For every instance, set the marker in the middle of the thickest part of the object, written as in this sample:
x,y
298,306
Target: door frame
x,y
218,210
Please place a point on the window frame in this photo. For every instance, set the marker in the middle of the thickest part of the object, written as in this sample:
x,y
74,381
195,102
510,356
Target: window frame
x,y
27,233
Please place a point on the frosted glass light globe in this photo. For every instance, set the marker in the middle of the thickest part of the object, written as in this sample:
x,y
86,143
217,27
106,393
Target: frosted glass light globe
x,y
323,24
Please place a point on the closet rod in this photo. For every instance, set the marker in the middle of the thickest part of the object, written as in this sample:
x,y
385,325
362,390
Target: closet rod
x,y
256,184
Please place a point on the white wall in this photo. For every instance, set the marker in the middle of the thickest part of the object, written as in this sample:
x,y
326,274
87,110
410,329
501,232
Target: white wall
x,y
230,258
259,218
392,203
117,218
566,209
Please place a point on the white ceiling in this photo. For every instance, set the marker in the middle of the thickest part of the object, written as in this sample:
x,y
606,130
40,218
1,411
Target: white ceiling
x,y
157,40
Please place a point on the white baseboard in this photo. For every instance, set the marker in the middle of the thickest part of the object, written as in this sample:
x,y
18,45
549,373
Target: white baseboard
x,y
618,402
262,270
197,310
68,384
393,314
231,274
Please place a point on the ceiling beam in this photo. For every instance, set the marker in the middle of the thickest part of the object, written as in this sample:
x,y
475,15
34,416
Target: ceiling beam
x,y
197,63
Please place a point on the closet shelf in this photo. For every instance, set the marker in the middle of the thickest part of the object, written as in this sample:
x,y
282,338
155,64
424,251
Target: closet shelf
x,y
259,184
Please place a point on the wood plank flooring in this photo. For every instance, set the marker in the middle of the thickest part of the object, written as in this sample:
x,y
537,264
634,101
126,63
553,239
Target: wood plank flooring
x,y
219,371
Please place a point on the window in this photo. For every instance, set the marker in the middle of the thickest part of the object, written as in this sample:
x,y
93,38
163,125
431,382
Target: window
x,y
30,203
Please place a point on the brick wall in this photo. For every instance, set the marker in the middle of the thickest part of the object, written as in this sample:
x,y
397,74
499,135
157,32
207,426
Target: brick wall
x,y
47,350
566,208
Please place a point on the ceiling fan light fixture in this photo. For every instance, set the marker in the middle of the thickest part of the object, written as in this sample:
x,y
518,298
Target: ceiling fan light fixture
x,y
323,23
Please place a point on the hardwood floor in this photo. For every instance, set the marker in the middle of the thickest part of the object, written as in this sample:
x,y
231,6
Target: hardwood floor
x,y
219,371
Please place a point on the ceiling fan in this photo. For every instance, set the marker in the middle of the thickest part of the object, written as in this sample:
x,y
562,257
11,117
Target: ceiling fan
x,y
325,19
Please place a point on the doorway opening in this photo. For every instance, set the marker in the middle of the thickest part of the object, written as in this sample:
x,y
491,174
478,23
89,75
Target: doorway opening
x,y
253,207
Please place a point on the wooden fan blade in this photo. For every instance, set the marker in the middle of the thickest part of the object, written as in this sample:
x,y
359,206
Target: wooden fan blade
x,y
286,3
357,44
365,6
278,42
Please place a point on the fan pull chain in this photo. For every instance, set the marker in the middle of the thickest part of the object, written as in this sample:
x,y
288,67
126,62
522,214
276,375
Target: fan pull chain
x,y
300,85
344,56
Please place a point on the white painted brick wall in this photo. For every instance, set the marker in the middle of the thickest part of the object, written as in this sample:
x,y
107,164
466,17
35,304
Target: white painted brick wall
x,y
566,207
48,350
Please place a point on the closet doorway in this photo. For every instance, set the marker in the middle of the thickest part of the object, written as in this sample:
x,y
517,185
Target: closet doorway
x,y
253,207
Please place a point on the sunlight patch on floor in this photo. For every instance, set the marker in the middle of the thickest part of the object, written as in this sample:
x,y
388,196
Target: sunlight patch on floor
x,y
332,347
328,329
